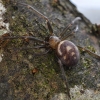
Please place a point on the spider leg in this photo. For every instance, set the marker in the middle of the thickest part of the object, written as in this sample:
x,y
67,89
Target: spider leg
x,y
40,14
89,52
50,28
76,19
70,25
42,53
70,33
63,32
35,47
64,78
22,37
38,47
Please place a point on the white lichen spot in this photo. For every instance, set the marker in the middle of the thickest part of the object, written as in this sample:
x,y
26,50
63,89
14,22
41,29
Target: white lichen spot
x,y
59,96
6,25
1,55
2,24
87,94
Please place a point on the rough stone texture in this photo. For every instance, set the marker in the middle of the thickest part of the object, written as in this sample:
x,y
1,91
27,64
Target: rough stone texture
x,y
16,79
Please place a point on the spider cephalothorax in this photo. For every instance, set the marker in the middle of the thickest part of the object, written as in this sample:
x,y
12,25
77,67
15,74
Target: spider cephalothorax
x,y
54,41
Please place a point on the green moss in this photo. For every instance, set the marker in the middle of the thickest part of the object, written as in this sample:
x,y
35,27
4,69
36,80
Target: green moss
x,y
86,62
18,25
91,48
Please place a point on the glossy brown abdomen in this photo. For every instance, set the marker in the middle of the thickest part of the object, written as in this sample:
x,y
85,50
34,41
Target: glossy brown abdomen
x,y
68,53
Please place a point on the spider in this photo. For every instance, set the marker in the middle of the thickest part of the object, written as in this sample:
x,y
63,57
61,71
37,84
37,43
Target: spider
x,y
66,52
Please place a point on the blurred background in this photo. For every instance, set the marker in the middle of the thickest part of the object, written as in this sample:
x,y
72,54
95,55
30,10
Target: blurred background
x,y
90,9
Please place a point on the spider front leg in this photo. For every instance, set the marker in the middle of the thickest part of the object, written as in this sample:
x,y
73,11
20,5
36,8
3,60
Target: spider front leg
x,y
40,14
89,52
42,53
64,78
35,47
67,28
21,37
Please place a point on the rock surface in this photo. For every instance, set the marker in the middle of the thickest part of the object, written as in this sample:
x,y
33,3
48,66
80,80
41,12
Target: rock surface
x,y
16,79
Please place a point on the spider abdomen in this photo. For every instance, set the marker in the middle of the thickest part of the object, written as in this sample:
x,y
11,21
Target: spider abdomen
x,y
68,53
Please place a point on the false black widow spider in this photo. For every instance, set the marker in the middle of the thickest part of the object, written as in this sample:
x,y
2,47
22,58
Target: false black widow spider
x,y
67,53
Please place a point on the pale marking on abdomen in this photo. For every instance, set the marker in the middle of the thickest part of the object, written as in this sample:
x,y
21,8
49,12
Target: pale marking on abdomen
x,y
68,48
73,53
59,45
